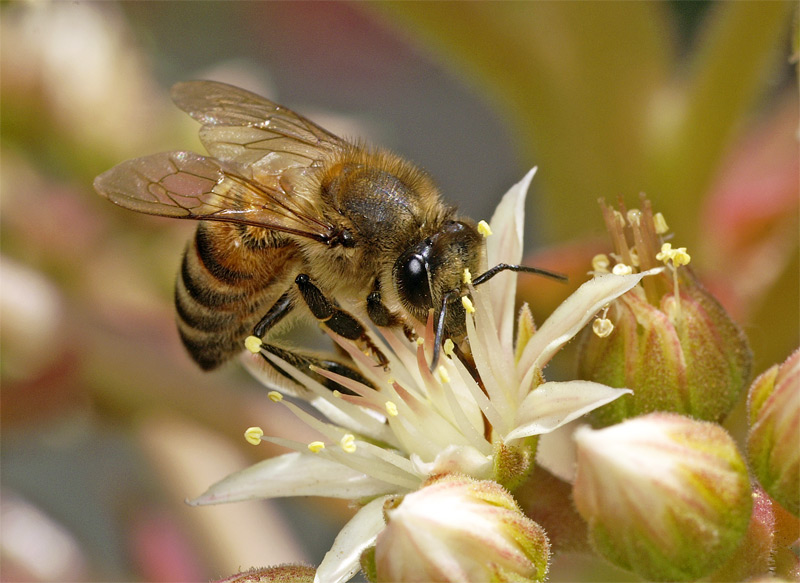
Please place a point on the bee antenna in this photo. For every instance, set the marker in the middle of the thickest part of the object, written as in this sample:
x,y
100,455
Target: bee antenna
x,y
491,272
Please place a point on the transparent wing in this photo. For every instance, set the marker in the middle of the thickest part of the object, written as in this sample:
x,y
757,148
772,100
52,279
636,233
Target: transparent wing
x,y
251,131
190,186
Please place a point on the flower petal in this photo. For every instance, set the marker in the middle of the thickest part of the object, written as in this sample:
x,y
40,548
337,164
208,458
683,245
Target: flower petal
x,y
344,559
293,474
557,453
456,459
551,405
505,246
571,316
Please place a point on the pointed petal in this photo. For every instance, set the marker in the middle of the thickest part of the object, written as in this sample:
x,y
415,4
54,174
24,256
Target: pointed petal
x,y
505,246
508,220
344,559
551,405
572,315
293,474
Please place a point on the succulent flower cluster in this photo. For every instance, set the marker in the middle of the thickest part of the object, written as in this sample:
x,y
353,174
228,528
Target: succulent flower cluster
x,y
434,458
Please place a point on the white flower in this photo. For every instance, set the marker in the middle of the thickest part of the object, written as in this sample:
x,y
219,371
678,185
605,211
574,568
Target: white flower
x,y
387,442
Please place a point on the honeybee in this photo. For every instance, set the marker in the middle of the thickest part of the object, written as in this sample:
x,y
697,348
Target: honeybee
x,y
292,217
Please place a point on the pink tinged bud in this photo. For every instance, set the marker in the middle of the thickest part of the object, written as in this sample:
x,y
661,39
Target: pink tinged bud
x,y
460,529
665,496
689,358
279,574
773,442
670,341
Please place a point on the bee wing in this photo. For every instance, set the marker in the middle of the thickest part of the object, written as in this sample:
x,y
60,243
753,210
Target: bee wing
x,y
253,132
190,186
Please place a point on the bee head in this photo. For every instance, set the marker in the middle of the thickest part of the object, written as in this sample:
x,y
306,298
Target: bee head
x,y
425,273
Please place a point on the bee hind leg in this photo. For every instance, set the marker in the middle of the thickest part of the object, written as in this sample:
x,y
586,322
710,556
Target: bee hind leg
x,y
304,361
336,319
300,359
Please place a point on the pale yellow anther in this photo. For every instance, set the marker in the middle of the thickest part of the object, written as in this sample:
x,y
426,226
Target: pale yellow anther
x,y
420,341
602,327
467,277
253,344
348,443
448,347
622,269
680,257
444,377
391,409
677,256
484,228
666,252
620,220
316,446
275,396
660,224
253,435
337,393
467,303
600,263
634,257
634,216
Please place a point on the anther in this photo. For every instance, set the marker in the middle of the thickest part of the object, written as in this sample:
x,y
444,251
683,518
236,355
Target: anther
x,y
253,344
253,435
467,303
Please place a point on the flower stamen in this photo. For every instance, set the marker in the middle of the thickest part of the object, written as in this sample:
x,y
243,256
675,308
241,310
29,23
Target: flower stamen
x,y
622,269
467,303
253,435
253,344
348,443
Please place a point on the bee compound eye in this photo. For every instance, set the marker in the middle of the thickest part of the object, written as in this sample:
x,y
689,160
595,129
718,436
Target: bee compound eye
x,y
411,276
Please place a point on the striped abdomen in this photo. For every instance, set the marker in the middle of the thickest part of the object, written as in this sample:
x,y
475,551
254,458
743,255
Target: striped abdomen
x,y
230,276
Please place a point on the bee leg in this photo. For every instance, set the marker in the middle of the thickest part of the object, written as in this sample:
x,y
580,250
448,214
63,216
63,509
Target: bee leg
x,y
383,316
303,361
300,359
336,319
275,314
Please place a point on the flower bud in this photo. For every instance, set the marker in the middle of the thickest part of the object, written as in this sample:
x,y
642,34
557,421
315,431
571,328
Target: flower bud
x,y
460,529
672,343
754,556
664,495
772,443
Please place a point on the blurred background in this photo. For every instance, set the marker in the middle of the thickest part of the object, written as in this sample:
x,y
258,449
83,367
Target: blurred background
x,y
107,426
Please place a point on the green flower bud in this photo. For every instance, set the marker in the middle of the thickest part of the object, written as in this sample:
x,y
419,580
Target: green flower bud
x,y
460,529
664,496
772,443
667,339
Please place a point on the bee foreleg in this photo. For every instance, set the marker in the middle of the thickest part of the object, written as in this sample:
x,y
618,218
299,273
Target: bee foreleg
x,y
336,319
383,316
276,313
